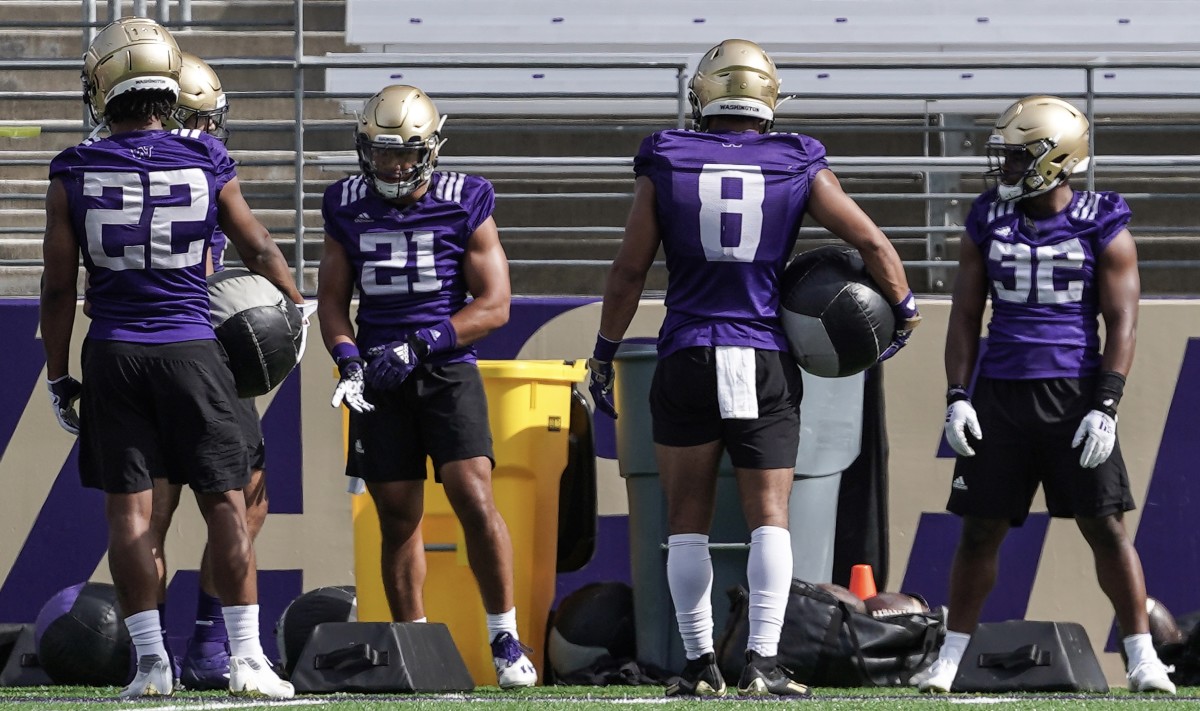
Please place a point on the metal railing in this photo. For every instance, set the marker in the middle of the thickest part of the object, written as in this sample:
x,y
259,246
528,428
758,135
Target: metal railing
x,y
937,174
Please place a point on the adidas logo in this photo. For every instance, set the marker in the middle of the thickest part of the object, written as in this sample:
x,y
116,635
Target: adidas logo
x,y
959,484
437,335
364,217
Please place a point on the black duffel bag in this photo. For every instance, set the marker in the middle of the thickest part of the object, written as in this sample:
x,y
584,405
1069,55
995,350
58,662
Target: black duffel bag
x,y
825,643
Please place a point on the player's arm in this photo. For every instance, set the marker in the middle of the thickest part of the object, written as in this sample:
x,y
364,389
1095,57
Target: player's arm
x,y
335,288
627,275
962,347
837,212
1120,288
59,293
966,313
485,268
254,244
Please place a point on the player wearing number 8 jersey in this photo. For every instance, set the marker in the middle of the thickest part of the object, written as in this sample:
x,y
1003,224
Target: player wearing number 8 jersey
x,y
1044,406
725,203
416,244
157,392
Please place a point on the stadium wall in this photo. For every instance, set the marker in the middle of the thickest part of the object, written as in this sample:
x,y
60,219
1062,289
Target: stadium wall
x,y
53,531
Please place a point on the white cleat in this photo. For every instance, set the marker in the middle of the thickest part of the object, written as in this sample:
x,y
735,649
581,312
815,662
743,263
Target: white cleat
x,y
1151,676
253,676
513,668
938,678
154,678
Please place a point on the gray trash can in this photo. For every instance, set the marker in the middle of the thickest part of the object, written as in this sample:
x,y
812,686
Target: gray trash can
x,y
812,513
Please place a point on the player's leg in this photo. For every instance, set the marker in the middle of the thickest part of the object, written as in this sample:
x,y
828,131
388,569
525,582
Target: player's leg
x,y
763,451
165,501
118,451
206,444
456,431
205,664
687,449
991,491
401,505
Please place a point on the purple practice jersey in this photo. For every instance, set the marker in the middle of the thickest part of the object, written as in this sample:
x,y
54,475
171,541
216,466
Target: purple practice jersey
x,y
408,260
1042,280
729,208
143,208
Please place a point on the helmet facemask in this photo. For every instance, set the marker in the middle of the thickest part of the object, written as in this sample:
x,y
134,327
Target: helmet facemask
x,y
211,121
397,167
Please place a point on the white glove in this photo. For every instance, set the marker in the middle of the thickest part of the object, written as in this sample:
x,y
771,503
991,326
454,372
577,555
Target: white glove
x,y
960,419
64,393
350,387
1100,431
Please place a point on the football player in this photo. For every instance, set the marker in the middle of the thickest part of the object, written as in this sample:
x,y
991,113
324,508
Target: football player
x,y
157,396
1044,405
425,255
202,106
725,203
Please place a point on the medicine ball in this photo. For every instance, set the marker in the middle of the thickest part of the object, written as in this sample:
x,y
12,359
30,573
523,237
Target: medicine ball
x,y
594,621
334,603
81,637
260,328
836,319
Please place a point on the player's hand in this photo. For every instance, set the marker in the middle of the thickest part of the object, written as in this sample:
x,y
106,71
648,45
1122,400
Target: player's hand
x,y
391,364
349,390
64,392
907,319
961,419
600,386
1097,433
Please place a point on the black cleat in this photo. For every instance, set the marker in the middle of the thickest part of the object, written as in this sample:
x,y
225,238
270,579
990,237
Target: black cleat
x,y
700,677
763,676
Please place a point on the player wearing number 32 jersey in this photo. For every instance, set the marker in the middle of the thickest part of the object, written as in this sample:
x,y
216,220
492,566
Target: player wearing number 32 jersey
x,y
416,244
1043,411
725,203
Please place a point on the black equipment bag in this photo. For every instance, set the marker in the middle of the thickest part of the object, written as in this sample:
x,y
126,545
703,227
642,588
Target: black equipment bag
x,y
825,643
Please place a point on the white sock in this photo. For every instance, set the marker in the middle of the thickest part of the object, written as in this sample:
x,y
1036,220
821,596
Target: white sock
x,y
769,572
146,632
954,646
1139,648
421,620
241,621
503,622
690,578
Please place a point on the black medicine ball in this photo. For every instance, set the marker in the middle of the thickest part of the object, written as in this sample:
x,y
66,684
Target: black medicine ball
x,y
259,327
333,603
836,319
81,637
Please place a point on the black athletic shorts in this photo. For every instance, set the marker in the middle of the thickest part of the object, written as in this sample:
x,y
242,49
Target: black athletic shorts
x,y
439,412
683,406
252,434
159,411
1028,426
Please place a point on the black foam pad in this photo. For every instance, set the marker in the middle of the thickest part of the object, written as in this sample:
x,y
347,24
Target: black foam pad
x,y
1026,655
22,667
381,657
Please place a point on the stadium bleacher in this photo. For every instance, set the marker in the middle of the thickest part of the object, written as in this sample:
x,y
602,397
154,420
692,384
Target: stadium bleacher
x,y
901,93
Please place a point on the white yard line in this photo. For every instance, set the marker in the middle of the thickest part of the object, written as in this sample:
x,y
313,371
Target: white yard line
x,y
238,704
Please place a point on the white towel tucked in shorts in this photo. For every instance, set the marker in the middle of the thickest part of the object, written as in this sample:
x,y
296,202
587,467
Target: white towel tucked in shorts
x,y
737,392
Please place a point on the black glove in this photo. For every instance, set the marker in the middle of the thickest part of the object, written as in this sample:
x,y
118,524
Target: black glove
x,y
64,392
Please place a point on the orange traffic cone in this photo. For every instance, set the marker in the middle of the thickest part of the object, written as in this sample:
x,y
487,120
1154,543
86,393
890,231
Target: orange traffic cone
x,y
862,581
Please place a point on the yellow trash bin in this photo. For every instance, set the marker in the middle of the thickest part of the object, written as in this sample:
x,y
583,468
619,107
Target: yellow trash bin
x,y
529,405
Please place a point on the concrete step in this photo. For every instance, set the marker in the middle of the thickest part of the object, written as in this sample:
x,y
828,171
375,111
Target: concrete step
x,y
36,44
318,14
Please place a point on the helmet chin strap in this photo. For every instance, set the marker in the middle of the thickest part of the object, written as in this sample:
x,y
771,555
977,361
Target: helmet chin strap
x,y
99,127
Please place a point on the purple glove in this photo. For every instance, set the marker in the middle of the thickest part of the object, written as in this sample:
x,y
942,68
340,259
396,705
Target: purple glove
x,y
602,377
391,364
907,319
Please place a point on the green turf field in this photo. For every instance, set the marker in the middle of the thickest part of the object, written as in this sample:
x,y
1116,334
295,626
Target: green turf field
x,y
578,698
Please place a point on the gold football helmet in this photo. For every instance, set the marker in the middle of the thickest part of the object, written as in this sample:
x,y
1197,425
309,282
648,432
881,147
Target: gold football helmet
x,y
398,138
130,54
1037,143
201,99
734,78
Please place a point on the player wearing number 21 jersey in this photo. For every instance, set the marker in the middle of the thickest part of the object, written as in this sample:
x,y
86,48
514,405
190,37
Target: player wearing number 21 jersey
x,y
424,254
725,203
